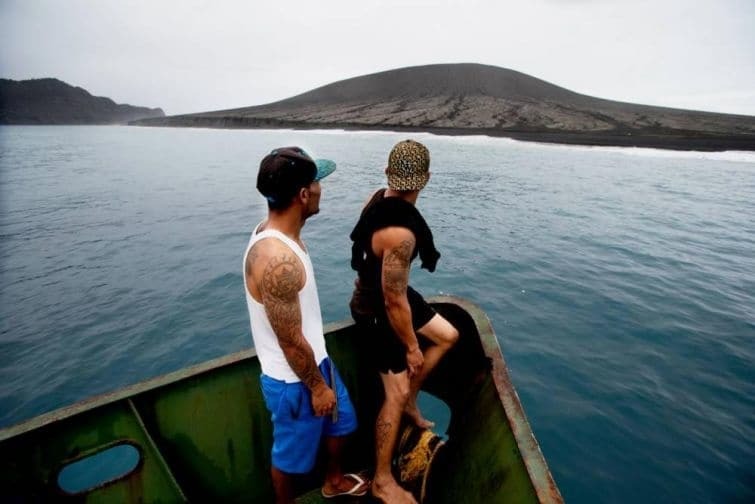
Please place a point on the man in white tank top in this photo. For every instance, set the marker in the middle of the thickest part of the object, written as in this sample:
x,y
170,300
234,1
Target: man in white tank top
x,y
302,389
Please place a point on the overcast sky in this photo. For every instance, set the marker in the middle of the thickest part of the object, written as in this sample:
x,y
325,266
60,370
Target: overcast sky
x,y
192,56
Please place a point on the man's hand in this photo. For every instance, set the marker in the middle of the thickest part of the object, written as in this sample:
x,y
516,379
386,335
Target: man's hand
x,y
414,360
323,400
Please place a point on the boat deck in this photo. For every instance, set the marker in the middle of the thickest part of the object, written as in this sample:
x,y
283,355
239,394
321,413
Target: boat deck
x,y
203,434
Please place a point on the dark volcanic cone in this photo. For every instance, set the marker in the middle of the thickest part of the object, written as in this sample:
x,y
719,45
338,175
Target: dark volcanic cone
x,y
470,98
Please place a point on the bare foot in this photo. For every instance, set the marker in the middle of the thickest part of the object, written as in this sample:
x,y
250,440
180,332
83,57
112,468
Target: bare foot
x,y
389,492
413,412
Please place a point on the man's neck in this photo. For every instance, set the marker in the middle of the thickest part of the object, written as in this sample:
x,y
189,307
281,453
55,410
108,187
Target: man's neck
x,y
408,196
285,222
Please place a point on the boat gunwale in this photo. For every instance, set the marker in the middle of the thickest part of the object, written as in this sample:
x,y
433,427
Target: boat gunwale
x,y
537,468
147,385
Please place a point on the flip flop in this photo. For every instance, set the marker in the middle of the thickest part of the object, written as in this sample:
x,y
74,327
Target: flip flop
x,y
359,489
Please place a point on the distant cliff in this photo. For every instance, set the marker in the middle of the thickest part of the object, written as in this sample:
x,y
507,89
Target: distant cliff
x,y
51,101
474,99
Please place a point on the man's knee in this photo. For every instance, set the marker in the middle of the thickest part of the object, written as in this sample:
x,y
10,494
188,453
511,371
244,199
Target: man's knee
x,y
440,331
396,389
450,336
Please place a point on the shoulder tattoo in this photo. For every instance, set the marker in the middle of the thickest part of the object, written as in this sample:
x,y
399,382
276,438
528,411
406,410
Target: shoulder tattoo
x,y
283,277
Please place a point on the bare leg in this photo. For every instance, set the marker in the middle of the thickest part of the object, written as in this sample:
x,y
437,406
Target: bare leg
x,y
443,336
384,486
335,481
283,484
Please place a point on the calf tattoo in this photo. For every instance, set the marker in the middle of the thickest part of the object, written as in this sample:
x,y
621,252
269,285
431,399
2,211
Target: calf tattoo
x,y
382,429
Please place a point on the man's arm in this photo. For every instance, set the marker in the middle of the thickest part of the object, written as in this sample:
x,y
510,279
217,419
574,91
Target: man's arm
x,y
397,245
282,279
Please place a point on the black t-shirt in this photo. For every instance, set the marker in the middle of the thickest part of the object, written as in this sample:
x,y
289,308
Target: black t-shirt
x,y
381,212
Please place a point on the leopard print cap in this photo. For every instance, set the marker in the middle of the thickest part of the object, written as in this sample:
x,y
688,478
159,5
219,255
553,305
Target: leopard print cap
x,y
408,166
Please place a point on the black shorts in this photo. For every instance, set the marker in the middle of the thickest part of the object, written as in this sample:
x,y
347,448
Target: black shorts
x,y
383,344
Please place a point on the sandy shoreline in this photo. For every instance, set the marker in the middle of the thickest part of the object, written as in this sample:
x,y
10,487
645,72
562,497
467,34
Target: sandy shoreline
x,y
696,142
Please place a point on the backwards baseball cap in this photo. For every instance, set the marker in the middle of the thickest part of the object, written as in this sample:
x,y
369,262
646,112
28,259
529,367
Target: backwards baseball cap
x,y
408,166
286,170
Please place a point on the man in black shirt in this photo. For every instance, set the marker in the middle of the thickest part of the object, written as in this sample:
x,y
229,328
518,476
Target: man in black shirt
x,y
389,235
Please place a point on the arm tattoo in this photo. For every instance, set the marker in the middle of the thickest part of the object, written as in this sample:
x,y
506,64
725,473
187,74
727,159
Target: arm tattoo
x,y
281,282
396,267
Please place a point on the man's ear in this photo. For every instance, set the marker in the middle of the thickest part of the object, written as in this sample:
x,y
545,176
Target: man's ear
x,y
304,194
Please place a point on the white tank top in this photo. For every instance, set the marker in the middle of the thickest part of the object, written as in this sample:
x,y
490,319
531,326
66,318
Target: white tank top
x,y
272,359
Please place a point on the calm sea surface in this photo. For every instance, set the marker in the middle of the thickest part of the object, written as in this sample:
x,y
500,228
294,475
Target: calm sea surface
x,y
620,282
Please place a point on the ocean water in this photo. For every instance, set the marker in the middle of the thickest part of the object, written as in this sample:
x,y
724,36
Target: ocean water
x,y
620,282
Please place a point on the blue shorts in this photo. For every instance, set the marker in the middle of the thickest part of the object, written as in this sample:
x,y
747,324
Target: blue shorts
x,y
296,429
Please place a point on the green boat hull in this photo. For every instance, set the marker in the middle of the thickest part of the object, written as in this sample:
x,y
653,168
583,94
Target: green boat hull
x,y
204,434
